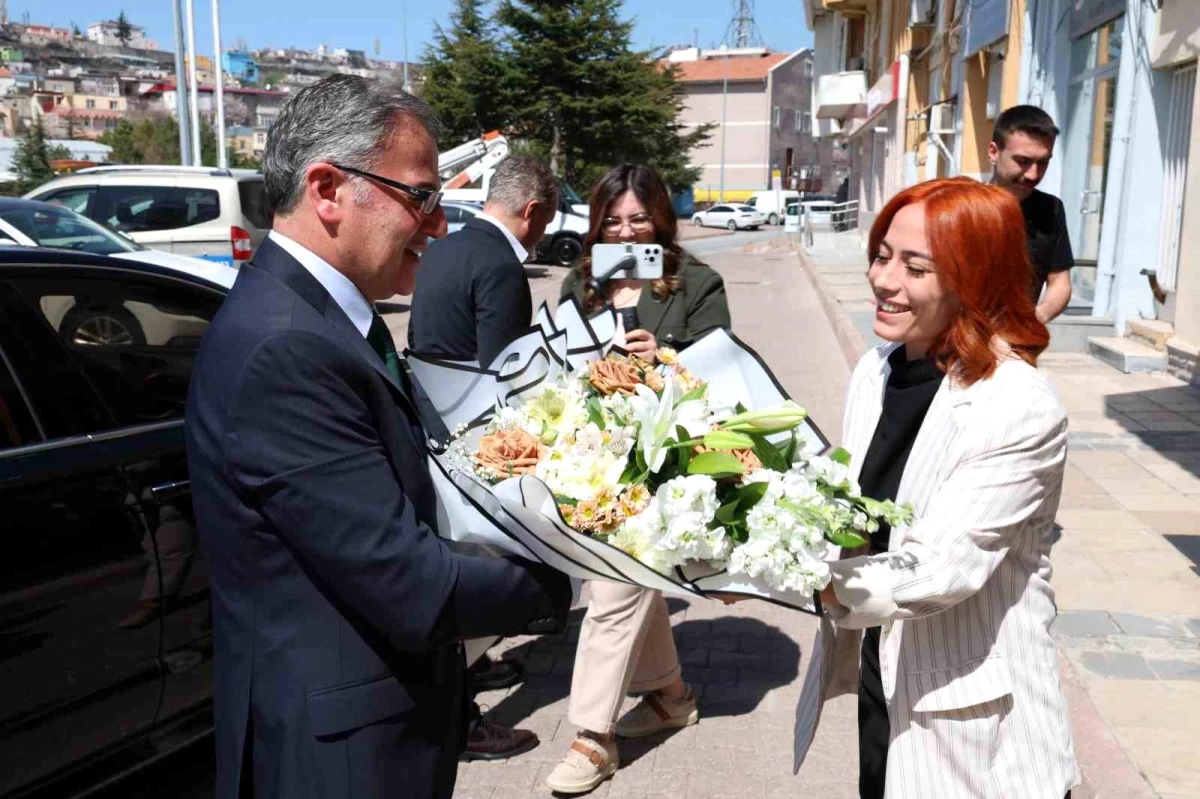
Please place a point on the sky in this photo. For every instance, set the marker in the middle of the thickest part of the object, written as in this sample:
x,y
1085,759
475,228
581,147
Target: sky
x,y
308,23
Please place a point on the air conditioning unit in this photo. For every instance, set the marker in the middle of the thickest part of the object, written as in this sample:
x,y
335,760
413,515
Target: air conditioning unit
x,y
923,13
941,118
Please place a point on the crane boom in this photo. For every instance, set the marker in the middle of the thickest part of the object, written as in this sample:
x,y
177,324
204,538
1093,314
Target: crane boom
x,y
466,163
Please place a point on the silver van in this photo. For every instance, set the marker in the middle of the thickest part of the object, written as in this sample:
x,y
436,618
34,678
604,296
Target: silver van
x,y
217,214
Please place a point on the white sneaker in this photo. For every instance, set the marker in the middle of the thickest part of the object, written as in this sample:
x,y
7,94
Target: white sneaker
x,y
588,763
656,713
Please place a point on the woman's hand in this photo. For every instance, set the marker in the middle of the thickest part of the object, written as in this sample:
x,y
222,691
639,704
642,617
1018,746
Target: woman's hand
x,y
829,597
643,344
728,599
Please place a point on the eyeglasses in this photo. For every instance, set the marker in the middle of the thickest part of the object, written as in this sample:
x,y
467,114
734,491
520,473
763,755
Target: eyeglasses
x,y
427,199
640,223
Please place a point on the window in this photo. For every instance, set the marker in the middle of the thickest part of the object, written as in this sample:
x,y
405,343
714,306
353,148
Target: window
x,y
58,227
17,427
133,338
808,68
806,122
112,105
91,103
797,120
78,199
775,118
253,194
142,208
453,214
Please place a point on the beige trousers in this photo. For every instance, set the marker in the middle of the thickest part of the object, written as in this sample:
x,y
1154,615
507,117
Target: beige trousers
x,y
625,645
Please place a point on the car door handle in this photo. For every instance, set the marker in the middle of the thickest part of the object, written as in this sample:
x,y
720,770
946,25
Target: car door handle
x,y
168,490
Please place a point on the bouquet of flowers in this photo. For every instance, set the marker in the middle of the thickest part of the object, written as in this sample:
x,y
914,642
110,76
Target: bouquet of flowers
x,y
612,468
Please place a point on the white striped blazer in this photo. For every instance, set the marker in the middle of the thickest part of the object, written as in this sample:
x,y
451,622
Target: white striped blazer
x,y
963,596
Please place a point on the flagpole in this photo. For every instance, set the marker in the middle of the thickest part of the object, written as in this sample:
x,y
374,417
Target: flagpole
x,y
219,97
194,85
181,110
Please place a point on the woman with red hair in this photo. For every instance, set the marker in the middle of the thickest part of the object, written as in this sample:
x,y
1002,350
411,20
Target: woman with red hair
x,y
958,684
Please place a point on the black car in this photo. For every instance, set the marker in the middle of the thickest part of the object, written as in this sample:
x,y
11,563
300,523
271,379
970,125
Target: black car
x,y
105,621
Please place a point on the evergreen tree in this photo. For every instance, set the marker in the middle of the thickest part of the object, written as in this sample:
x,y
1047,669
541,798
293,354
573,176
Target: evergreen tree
x,y
155,140
124,29
31,163
466,79
590,100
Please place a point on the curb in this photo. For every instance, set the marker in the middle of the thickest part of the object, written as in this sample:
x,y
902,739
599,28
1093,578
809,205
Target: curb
x,y
851,341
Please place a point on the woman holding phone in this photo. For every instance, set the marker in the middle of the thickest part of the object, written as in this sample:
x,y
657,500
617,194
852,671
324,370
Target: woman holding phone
x,y
625,644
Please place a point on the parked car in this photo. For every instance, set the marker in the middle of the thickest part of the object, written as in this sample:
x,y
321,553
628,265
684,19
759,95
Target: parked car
x,y
98,528
734,217
772,204
459,214
216,214
819,209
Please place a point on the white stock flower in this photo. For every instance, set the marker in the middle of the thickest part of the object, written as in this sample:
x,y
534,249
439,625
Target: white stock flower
x,y
695,493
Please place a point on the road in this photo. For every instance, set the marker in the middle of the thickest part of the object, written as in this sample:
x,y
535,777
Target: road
x,y
743,659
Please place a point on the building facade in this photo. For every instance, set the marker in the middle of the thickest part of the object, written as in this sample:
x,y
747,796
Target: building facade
x,y
240,65
913,88
757,102
105,33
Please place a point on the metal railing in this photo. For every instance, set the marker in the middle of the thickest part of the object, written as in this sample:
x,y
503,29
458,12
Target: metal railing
x,y
837,217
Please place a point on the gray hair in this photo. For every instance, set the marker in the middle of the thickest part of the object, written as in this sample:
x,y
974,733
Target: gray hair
x,y
521,179
343,119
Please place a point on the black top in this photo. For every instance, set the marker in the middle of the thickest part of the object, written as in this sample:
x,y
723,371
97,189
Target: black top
x,y
472,298
1046,237
906,399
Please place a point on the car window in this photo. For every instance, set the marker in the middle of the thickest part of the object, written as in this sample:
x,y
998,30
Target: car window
x,y
745,207
720,209
133,338
453,214
253,194
752,201
78,199
59,227
134,209
16,422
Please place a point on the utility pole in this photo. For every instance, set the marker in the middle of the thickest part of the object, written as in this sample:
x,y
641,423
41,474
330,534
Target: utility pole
x,y
181,111
194,87
404,29
742,30
724,106
219,97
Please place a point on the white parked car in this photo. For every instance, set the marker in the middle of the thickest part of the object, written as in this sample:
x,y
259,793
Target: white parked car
x,y
734,217
219,215
459,214
772,203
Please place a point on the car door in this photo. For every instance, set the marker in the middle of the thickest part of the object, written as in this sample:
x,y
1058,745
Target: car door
x,y
76,681
718,215
148,214
135,336
80,199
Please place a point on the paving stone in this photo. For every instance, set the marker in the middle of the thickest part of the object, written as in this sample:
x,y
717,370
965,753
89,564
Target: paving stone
x,y
1175,669
1146,627
1083,624
1117,665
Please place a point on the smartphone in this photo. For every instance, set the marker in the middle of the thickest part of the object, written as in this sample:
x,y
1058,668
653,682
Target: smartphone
x,y
627,262
629,318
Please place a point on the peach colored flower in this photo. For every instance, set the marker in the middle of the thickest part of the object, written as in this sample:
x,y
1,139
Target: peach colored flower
x,y
509,452
610,376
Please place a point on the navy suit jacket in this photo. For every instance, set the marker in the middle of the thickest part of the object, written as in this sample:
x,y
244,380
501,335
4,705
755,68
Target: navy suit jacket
x,y
472,297
337,611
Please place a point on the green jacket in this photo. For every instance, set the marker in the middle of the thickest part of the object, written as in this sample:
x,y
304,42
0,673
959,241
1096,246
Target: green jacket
x,y
697,307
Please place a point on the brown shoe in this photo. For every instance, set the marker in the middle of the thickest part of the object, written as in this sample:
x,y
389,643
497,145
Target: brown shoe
x,y
489,741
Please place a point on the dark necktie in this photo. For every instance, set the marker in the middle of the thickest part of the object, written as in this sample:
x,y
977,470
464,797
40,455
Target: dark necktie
x,y
380,339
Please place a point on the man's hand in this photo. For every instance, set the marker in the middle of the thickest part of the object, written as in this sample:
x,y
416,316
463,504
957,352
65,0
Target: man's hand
x,y
642,344
1058,294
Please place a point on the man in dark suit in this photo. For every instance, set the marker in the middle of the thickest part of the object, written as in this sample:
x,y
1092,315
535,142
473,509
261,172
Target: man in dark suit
x,y
472,297
337,611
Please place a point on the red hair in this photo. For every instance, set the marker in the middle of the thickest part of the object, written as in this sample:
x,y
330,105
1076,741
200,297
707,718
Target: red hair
x,y
976,236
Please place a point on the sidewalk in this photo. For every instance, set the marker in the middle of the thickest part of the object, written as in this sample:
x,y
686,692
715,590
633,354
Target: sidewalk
x,y
1127,560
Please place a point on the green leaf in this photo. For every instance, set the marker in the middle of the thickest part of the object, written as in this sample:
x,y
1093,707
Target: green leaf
x,y
631,472
725,439
694,394
595,412
841,456
789,451
683,455
769,454
749,495
559,499
739,409
727,513
847,539
716,464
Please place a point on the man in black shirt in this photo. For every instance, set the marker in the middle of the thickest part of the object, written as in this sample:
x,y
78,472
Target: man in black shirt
x,y
1020,150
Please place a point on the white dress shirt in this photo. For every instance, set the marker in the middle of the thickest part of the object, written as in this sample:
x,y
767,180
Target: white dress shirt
x,y
518,249
344,293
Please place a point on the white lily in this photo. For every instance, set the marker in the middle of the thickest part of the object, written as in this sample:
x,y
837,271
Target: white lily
x,y
657,418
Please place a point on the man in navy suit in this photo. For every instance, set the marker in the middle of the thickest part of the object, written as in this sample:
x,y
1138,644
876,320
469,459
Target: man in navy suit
x,y
472,297
337,611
